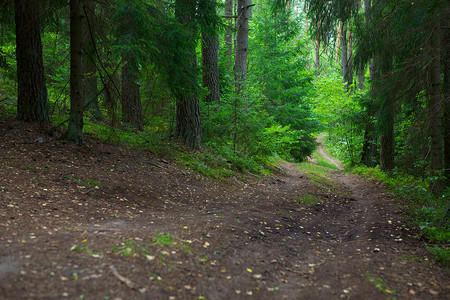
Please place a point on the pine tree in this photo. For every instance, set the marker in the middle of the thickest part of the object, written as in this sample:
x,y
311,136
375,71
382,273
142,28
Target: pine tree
x,y
89,62
32,93
240,62
210,57
75,128
188,127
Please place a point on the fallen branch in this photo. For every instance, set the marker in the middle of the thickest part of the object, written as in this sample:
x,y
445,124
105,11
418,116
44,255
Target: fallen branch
x,y
125,280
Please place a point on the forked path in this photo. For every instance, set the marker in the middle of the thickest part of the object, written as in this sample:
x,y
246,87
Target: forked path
x,y
105,222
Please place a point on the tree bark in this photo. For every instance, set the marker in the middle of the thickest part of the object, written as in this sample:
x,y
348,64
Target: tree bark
x,y
446,106
75,128
210,62
229,32
349,74
387,149
240,63
435,107
188,122
344,55
317,56
131,98
89,67
360,77
387,142
369,151
338,41
32,92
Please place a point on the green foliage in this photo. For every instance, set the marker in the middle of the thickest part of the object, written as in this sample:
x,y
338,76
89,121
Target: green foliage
x,y
442,254
163,240
341,115
84,249
272,117
380,285
308,200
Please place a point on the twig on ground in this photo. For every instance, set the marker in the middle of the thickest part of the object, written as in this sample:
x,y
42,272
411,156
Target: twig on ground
x,y
125,280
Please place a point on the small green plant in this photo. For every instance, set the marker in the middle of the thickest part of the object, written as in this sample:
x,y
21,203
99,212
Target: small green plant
x,y
131,248
308,200
380,285
441,254
83,249
163,240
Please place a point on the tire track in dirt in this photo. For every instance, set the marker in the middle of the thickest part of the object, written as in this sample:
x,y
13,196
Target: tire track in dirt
x,y
244,240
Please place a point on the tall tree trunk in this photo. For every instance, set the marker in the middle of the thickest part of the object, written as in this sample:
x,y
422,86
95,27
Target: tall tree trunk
x,y
89,68
387,144
344,54
360,77
446,106
131,98
349,74
75,128
240,63
210,62
188,128
435,106
317,56
387,149
338,41
369,151
229,32
32,93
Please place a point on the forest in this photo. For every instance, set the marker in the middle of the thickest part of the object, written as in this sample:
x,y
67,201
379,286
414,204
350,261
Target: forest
x,y
228,89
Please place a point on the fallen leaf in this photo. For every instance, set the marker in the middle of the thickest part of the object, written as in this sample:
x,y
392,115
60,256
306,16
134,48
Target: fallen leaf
x,y
249,270
433,292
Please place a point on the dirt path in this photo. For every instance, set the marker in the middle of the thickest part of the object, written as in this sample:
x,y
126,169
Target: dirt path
x,y
326,156
105,222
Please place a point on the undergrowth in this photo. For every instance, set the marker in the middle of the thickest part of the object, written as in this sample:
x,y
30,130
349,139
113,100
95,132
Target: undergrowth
x,y
218,162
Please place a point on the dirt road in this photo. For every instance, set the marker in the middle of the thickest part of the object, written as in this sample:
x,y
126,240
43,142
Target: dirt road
x,y
105,222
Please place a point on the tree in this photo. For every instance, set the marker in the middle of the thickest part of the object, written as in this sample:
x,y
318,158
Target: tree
x,y
210,57
240,62
89,62
32,92
75,128
435,106
131,18
229,30
131,99
188,122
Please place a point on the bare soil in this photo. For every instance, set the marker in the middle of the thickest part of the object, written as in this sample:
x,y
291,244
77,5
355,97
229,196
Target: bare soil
x,y
107,222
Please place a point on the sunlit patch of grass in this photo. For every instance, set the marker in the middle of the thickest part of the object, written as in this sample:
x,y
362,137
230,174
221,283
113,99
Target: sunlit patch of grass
x,y
323,162
308,200
316,173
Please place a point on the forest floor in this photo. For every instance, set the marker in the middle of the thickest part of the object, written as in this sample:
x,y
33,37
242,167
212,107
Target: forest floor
x,y
106,222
